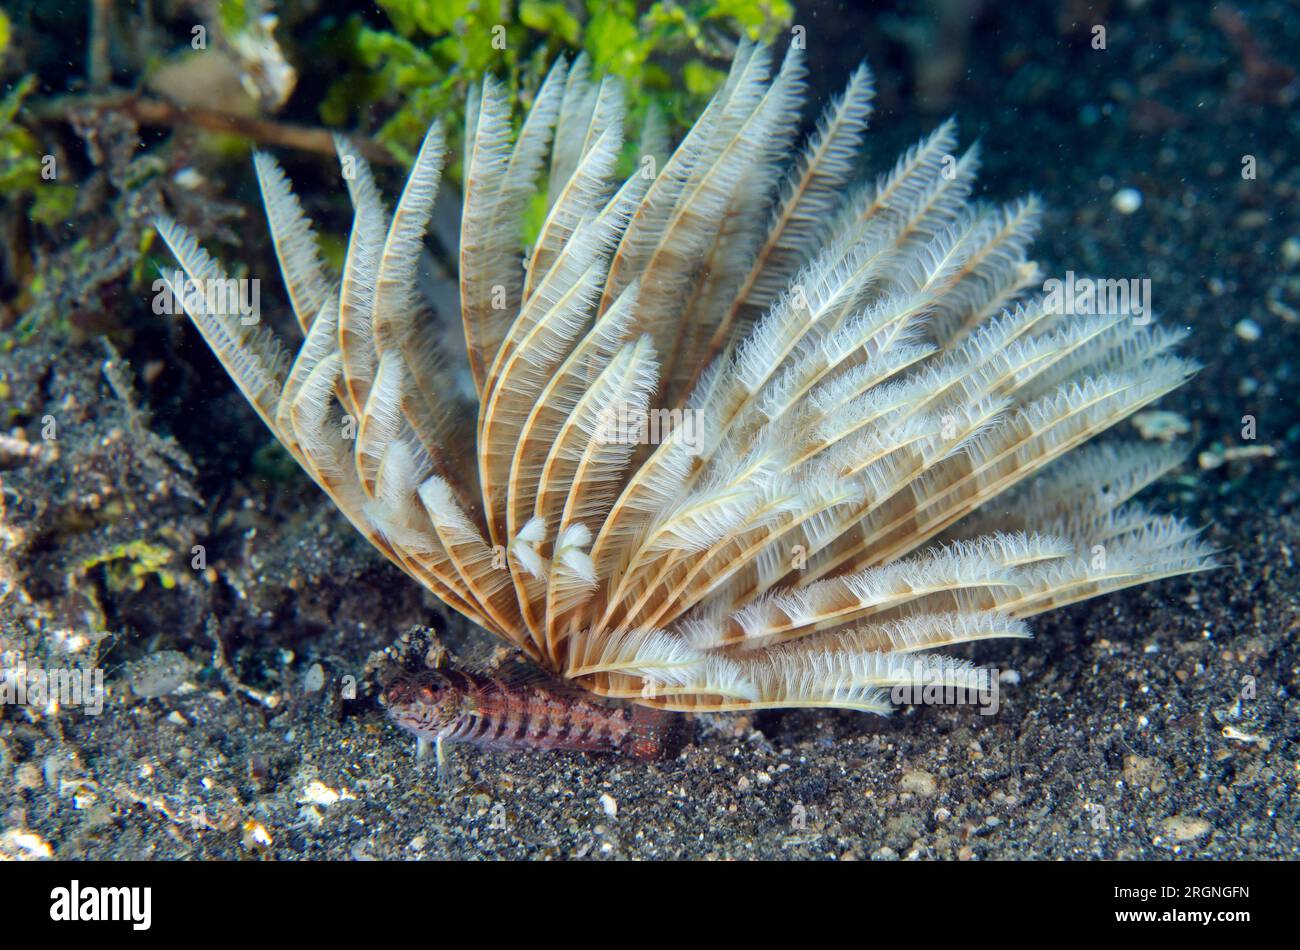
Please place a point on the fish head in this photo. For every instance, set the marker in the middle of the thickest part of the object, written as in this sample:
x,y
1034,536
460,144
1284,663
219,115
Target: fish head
x,y
426,704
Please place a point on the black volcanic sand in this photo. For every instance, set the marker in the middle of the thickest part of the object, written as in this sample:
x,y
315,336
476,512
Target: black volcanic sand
x,y
1156,723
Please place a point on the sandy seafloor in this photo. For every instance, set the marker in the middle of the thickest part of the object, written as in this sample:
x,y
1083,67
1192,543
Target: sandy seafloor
x,y
1110,744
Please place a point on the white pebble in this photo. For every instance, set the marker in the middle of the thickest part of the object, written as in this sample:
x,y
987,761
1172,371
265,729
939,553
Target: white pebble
x,y
318,793
1126,200
314,681
608,803
188,178
1291,251
1248,330
25,844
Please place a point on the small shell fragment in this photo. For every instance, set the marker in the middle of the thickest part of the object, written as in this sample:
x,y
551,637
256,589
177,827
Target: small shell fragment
x,y
159,674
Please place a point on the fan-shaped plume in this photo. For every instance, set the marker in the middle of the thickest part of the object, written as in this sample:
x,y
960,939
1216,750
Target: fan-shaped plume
x,y
748,436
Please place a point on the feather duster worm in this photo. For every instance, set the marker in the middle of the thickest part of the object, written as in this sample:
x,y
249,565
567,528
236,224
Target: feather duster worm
x,y
885,452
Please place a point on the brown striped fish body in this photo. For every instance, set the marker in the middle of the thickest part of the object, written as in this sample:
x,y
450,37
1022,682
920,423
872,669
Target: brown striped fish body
x,y
494,713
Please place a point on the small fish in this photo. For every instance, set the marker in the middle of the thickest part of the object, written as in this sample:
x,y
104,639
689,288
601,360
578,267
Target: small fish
x,y
452,706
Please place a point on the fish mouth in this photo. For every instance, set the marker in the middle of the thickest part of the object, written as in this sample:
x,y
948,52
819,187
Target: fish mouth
x,y
409,719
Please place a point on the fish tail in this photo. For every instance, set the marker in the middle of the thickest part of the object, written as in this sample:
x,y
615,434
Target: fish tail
x,y
655,733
